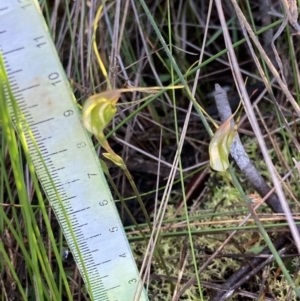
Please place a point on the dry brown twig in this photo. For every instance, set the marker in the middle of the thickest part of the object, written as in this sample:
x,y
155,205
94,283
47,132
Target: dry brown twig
x,y
248,106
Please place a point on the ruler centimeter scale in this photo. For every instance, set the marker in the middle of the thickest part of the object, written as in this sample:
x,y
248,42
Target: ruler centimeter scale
x,y
96,238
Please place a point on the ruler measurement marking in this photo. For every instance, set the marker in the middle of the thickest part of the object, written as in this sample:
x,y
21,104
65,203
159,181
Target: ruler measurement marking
x,y
60,190
101,297
48,182
17,95
41,165
23,106
83,248
43,153
112,288
13,50
93,251
40,145
14,86
35,132
19,99
82,225
28,88
47,177
13,82
99,278
16,89
49,185
54,194
61,168
80,237
100,289
44,175
80,210
39,139
56,153
36,159
89,267
72,222
37,123
97,264
62,216
69,198
22,122
56,206
25,114
38,154
81,241
94,236
67,207
53,198
55,169
59,186
71,182
33,106
13,72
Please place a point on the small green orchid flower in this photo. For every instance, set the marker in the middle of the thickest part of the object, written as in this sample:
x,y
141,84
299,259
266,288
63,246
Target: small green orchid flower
x,y
97,112
219,146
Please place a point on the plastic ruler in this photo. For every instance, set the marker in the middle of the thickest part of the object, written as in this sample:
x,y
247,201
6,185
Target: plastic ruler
x,y
76,187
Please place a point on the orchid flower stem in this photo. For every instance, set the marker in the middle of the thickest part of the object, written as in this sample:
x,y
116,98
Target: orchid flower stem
x,y
114,187
157,252
115,158
119,162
